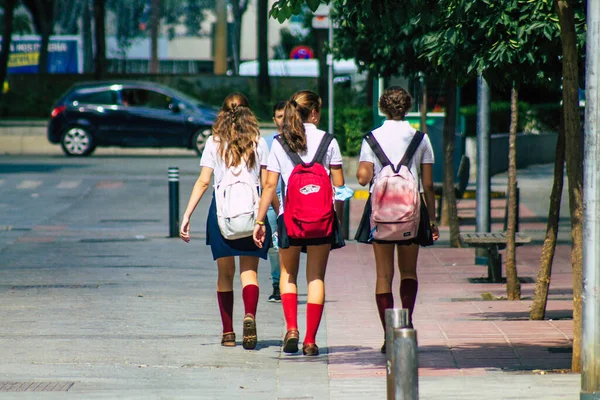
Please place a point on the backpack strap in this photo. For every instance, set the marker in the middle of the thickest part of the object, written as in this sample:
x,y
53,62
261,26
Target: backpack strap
x,y
293,156
376,147
412,148
322,149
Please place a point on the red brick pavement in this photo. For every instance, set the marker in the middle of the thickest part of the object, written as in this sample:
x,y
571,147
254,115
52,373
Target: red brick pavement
x,y
458,332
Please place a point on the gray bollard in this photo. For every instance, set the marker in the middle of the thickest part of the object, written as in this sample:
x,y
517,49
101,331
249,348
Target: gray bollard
x,y
395,318
173,202
406,365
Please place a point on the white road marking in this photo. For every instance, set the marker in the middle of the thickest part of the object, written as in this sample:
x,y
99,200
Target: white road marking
x,y
68,184
29,184
1,182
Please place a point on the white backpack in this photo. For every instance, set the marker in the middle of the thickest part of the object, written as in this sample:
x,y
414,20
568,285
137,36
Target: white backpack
x,y
395,196
237,203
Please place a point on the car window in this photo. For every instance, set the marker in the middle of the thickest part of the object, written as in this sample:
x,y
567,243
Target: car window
x,y
145,98
104,97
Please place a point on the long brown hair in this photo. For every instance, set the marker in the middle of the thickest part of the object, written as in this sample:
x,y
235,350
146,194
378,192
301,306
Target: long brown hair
x,y
295,114
236,131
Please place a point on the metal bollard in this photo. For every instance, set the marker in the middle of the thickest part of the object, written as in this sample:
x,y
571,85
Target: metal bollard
x,y
395,318
173,202
406,365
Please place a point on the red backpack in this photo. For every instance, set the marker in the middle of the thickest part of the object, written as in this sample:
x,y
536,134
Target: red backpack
x,y
308,205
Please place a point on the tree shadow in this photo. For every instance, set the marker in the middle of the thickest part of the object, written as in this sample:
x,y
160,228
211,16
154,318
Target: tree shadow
x,y
555,315
516,356
36,168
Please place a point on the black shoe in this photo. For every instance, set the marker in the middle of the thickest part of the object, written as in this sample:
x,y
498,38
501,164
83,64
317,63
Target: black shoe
x,y
276,296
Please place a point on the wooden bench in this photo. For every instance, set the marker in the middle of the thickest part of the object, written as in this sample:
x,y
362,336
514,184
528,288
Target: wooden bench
x,y
493,242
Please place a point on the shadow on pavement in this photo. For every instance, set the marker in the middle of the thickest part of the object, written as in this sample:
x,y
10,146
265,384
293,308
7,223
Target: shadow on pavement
x,y
37,168
516,356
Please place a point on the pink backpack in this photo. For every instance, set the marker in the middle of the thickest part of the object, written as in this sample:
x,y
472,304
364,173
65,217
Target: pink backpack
x,y
395,195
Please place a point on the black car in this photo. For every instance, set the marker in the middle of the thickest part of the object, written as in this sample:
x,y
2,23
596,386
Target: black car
x,y
128,114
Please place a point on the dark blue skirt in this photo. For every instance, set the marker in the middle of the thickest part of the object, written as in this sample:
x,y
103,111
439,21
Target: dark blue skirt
x,y
222,247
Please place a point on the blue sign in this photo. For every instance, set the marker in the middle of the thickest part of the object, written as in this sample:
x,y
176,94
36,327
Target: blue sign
x,y
64,56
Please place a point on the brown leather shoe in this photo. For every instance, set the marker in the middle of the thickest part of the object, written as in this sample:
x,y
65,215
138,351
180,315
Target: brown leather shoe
x,y
290,341
249,339
310,349
228,339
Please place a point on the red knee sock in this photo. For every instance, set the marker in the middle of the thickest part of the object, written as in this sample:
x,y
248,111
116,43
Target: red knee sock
x,y
250,297
384,301
289,301
314,312
226,309
408,294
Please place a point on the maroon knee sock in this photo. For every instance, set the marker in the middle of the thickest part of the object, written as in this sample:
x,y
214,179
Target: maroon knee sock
x,y
289,302
314,312
250,297
384,301
408,294
226,309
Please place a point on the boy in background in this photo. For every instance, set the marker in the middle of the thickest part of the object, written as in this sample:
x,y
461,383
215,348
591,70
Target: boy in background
x,y
272,213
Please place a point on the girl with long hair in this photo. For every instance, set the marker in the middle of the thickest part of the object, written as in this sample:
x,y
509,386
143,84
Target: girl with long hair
x,y
300,142
235,143
394,138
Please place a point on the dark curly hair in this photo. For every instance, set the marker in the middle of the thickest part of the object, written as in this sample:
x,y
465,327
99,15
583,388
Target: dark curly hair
x,y
395,102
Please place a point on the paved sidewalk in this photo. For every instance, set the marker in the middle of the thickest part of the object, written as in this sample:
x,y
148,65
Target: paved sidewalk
x,y
95,299
467,346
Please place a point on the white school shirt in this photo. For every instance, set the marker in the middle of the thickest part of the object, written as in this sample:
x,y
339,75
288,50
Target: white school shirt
x,y
394,138
212,159
281,163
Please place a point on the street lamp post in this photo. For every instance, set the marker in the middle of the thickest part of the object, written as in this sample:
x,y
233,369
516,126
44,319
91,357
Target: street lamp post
x,y
590,338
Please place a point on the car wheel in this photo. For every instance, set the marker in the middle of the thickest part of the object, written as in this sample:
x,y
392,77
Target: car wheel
x,y
199,140
77,141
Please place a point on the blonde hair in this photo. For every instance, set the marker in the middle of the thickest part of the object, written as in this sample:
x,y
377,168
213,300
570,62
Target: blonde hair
x,y
295,114
395,102
236,131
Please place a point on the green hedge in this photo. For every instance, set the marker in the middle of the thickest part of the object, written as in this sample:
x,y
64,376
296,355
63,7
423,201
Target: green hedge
x,y
533,118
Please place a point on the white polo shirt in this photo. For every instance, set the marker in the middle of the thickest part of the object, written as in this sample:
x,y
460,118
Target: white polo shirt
x,y
281,163
394,138
212,159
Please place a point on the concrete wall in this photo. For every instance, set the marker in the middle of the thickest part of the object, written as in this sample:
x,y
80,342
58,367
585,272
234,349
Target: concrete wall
x,y
531,149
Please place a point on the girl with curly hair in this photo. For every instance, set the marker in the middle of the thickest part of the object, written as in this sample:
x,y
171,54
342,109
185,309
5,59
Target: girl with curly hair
x,y
235,143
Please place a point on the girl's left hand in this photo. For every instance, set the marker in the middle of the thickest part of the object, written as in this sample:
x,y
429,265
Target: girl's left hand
x,y
260,231
435,232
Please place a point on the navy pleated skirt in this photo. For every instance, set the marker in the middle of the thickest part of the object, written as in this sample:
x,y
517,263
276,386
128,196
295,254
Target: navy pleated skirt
x,y
222,247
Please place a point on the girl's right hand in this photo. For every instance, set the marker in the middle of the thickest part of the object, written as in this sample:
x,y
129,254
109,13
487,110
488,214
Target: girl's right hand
x,y
184,230
260,231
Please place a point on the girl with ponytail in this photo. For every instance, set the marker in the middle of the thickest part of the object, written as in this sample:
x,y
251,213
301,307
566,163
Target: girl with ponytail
x,y
299,134
235,143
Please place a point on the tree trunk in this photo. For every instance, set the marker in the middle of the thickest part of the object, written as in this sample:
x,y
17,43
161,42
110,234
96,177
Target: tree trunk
x,y
154,29
220,39
513,287
88,47
237,33
7,25
449,212
264,84
542,285
100,38
574,157
423,108
46,21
